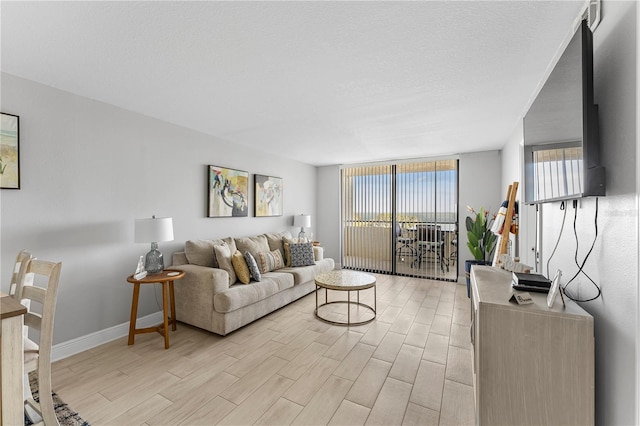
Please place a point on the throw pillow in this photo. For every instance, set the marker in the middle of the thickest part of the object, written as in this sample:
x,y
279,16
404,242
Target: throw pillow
x,y
287,252
301,254
270,261
240,267
223,256
200,252
253,245
253,266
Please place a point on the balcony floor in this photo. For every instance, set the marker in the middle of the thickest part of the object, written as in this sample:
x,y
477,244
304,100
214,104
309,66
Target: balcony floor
x,y
407,265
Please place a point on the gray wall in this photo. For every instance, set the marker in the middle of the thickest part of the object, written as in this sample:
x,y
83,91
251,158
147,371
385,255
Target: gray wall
x,y
613,263
480,186
89,169
329,229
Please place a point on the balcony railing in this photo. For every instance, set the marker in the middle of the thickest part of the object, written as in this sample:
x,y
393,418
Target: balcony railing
x,y
369,245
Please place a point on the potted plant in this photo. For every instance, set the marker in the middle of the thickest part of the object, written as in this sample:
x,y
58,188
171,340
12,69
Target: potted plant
x,y
480,240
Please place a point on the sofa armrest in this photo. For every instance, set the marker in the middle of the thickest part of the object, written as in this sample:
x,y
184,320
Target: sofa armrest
x,y
203,279
318,253
179,258
194,293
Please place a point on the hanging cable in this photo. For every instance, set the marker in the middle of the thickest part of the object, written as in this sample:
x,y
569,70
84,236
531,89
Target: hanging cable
x,y
562,207
584,261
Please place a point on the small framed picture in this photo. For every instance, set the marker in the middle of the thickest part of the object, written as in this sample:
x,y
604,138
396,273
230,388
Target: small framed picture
x,y
9,151
555,288
268,193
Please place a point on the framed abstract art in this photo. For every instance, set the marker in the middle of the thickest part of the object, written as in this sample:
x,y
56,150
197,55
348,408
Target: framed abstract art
x,y
268,194
228,192
9,151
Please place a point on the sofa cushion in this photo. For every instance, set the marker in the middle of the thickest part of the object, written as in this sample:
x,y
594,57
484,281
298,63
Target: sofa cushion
x,y
270,261
240,267
200,252
253,266
283,279
301,254
253,245
231,242
240,296
223,256
302,274
275,240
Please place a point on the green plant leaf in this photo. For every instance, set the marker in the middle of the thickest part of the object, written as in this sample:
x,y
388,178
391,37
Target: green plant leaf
x,y
473,239
469,223
476,252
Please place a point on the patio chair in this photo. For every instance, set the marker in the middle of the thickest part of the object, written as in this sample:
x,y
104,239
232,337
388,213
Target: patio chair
x,y
403,243
430,239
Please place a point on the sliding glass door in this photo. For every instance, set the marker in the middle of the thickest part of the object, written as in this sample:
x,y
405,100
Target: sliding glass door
x,y
401,218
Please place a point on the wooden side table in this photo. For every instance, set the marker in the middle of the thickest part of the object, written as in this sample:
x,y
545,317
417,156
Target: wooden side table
x,y
166,278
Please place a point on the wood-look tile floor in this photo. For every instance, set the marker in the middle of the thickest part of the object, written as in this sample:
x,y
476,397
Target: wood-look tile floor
x,y
412,366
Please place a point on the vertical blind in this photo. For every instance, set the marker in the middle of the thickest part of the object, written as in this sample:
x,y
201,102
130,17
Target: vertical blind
x,y
401,218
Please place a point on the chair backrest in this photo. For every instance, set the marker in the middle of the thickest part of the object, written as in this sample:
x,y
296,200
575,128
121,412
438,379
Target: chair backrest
x,y
43,289
18,270
429,233
397,230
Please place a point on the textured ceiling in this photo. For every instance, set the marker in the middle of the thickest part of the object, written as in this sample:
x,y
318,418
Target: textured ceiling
x,y
319,82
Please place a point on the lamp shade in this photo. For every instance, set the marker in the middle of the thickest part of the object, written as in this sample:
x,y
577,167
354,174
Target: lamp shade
x,y
302,220
153,230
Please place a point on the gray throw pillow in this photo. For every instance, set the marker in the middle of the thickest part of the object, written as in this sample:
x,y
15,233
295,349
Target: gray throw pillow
x,y
253,266
301,254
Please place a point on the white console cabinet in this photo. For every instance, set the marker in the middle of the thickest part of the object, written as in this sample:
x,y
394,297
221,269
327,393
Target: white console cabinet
x,y
532,365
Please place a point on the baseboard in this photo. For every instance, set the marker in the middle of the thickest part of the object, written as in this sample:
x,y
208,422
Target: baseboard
x,y
83,343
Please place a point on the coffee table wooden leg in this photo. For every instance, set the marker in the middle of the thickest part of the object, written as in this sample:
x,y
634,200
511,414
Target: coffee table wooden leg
x,y
134,313
173,307
165,311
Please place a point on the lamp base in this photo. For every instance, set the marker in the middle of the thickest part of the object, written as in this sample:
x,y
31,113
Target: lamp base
x,y
154,262
302,237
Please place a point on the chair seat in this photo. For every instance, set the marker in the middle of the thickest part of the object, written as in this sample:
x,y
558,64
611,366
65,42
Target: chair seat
x,y
430,245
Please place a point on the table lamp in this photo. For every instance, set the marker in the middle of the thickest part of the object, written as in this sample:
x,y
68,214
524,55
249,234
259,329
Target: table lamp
x,y
303,221
152,230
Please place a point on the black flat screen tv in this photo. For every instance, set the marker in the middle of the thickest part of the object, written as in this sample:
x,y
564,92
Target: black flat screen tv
x,y
561,140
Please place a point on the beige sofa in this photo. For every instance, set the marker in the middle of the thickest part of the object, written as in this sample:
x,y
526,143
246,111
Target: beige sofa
x,y
206,298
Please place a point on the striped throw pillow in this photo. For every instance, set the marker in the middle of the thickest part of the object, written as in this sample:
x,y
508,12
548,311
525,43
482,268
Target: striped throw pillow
x,y
270,261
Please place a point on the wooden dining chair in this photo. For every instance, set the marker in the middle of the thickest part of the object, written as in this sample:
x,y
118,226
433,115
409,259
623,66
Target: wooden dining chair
x,y
18,270
41,291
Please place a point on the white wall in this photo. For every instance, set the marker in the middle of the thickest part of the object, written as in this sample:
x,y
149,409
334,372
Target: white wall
x,y
613,263
89,169
512,166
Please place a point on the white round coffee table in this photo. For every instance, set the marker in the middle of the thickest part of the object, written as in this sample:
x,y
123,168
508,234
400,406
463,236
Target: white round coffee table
x,y
346,280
